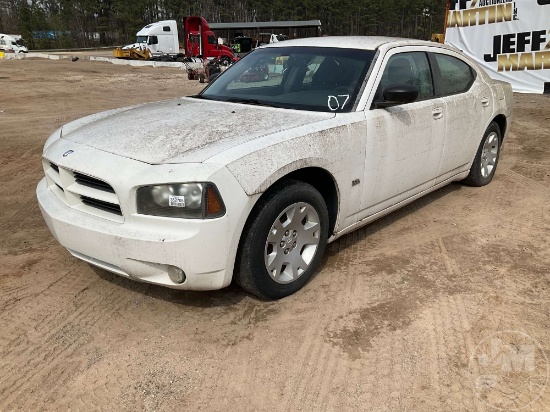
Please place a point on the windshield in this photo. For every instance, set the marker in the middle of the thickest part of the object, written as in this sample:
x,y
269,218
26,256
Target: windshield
x,y
141,39
320,79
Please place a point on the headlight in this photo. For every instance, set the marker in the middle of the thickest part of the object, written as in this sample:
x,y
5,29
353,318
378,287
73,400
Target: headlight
x,y
183,200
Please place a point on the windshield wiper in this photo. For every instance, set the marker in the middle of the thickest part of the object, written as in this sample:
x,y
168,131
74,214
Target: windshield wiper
x,y
254,102
200,96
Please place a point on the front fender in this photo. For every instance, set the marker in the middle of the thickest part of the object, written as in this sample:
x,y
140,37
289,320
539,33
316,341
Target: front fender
x,y
340,150
253,185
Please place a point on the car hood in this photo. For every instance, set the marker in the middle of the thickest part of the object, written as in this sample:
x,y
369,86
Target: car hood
x,y
182,130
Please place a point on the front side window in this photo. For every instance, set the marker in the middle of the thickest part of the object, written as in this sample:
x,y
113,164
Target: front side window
x,y
456,75
212,40
153,40
410,68
305,78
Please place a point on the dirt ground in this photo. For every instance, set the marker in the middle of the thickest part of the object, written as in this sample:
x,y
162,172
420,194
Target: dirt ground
x,y
427,309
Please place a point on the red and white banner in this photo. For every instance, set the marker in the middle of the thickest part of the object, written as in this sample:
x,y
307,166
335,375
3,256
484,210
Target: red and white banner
x,y
510,39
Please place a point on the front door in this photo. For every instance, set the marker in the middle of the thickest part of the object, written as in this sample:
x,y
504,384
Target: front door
x,y
404,142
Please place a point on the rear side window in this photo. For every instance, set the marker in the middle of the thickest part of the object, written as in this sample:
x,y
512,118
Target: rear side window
x,y
456,76
166,28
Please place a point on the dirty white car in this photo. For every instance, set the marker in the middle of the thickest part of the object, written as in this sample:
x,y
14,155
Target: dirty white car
x,y
252,177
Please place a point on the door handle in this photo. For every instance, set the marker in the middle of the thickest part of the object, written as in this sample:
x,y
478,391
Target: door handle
x,y
437,113
485,102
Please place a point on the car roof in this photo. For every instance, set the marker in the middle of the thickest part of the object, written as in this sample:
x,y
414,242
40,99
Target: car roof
x,y
355,42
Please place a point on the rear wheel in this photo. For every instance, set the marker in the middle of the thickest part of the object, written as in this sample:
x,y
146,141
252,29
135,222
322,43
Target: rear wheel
x,y
486,160
284,241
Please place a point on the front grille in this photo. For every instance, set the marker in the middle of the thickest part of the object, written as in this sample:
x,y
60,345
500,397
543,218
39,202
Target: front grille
x,y
108,207
92,182
83,192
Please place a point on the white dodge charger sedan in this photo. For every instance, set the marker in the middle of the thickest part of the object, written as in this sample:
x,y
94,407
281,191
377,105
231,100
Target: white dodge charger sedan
x,y
294,146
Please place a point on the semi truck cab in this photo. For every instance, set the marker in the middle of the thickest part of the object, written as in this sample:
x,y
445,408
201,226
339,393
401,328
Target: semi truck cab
x,y
160,38
201,41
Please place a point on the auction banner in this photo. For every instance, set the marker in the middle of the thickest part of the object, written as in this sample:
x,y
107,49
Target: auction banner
x,y
510,39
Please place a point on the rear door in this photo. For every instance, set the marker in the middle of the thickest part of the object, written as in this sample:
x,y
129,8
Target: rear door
x,y
465,100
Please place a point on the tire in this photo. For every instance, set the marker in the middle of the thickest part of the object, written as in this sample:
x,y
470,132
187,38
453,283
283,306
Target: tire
x,y
283,241
486,160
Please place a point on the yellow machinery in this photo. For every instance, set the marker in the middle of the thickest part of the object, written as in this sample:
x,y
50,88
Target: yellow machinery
x,y
438,38
132,53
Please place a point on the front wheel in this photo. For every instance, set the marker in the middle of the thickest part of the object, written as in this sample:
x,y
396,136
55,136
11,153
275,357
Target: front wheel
x,y
284,241
486,160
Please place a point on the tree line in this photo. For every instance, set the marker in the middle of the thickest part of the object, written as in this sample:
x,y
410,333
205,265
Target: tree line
x,y
91,23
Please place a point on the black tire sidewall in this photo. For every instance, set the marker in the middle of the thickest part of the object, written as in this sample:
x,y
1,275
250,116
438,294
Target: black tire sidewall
x,y
253,275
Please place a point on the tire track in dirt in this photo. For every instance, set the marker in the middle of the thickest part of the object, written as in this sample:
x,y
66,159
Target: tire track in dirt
x,y
24,212
459,321
306,356
447,326
60,337
343,369
386,355
522,180
25,313
250,316
339,288
353,369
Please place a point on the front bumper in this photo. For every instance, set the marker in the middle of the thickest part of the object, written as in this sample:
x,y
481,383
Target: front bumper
x,y
140,251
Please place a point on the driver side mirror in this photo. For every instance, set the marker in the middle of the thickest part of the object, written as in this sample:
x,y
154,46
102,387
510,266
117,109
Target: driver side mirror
x,y
398,94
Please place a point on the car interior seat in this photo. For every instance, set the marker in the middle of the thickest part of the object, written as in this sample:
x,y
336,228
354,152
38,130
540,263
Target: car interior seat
x,y
400,71
294,73
327,74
